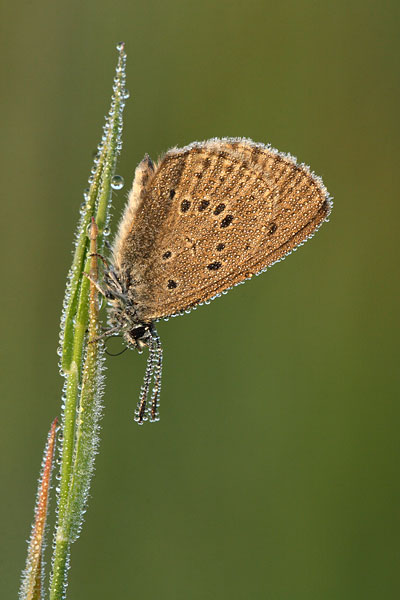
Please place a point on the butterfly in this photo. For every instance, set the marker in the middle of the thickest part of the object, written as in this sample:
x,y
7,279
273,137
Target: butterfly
x,y
199,221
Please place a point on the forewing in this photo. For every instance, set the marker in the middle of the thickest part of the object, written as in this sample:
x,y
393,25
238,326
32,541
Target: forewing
x,y
213,214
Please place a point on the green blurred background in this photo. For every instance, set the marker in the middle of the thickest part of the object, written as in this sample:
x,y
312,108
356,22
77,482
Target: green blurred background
x,y
274,472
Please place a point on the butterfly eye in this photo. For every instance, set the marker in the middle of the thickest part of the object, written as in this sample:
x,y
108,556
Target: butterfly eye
x,y
138,332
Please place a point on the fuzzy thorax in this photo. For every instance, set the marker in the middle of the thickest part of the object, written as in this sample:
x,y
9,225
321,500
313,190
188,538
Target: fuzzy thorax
x,y
122,313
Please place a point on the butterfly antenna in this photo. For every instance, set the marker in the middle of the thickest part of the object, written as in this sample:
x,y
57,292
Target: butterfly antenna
x,y
157,372
140,416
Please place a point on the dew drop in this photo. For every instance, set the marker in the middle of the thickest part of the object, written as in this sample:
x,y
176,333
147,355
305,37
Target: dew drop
x,y
117,182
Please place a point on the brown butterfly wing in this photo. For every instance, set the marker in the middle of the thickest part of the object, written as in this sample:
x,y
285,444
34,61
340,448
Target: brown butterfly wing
x,y
210,216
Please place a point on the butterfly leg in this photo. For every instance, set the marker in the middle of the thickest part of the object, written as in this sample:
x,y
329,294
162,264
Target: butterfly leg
x,y
103,260
96,284
106,333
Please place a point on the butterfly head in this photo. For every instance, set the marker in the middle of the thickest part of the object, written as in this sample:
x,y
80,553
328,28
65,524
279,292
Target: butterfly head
x,y
138,337
123,318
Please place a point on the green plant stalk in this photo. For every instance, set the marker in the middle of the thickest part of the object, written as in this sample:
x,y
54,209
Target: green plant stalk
x,y
89,409
81,361
81,472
